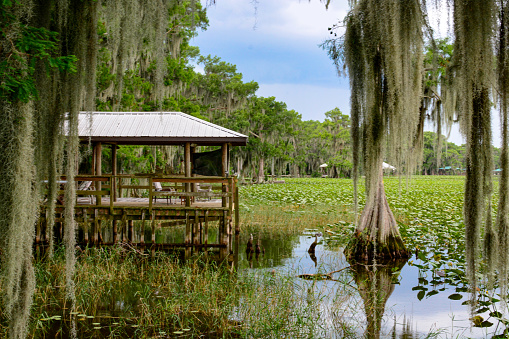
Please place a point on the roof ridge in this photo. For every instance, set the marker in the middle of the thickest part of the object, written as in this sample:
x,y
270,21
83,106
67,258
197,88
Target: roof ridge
x,y
174,126
189,116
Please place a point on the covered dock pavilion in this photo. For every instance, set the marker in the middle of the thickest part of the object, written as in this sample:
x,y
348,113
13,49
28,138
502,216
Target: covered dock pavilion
x,y
106,213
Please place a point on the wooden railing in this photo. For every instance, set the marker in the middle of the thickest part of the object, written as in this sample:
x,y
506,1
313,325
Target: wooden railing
x,y
184,188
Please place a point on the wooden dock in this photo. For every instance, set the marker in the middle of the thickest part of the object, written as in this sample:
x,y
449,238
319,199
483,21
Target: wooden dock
x,y
129,208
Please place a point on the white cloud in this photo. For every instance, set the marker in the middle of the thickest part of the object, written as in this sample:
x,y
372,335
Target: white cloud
x,y
286,19
199,68
296,19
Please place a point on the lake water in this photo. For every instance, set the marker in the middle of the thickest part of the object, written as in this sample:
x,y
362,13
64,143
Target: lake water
x,y
401,301
404,315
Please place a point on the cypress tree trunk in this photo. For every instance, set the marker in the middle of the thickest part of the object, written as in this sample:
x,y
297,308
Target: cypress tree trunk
x,y
377,234
261,171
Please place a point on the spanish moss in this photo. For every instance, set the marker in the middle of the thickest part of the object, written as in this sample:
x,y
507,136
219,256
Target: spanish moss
x,y
502,221
383,55
474,57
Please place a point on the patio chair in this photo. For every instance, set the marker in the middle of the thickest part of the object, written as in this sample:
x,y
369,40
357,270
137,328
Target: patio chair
x,y
86,186
159,188
205,188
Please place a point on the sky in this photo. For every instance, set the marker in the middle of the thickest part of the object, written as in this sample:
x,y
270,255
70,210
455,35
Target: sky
x,y
276,43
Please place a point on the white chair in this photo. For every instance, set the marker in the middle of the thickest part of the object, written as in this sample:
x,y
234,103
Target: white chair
x,y
159,188
86,186
205,188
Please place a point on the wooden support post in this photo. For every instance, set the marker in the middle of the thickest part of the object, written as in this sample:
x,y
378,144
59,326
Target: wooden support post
x,y
94,159
237,210
85,226
96,226
224,160
130,231
224,165
153,227
142,231
115,231
187,161
124,225
113,188
150,194
194,186
224,189
196,231
206,231
188,237
231,189
98,170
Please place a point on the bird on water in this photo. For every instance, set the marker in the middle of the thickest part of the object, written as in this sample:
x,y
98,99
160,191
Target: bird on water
x,y
311,249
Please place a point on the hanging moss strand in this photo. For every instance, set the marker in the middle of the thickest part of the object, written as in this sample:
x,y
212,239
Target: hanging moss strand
x,y
383,54
474,57
502,217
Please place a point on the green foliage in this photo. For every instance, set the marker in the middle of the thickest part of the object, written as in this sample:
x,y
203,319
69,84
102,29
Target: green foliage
x,y
222,86
451,155
27,45
437,60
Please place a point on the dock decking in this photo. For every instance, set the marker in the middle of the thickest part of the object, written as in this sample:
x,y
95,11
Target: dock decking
x,y
107,209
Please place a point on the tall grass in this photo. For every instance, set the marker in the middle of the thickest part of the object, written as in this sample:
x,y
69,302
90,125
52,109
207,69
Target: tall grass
x,y
120,293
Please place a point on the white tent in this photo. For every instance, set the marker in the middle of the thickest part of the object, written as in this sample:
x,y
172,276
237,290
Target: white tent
x,y
323,165
386,166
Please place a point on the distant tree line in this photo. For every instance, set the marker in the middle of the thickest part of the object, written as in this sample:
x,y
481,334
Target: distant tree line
x,y
280,142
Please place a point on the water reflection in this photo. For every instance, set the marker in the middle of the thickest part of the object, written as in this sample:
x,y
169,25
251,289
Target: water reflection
x,y
313,257
359,300
377,303
273,251
375,282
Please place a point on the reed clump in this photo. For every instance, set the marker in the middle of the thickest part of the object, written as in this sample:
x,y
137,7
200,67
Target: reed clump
x,y
120,292
289,219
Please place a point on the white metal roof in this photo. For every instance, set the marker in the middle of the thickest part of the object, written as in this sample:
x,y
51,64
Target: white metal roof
x,y
153,128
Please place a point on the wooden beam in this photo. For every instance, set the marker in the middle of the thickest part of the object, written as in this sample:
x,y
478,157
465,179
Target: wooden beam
x,y
130,231
224,163
94,158
142,233
224,159
98,169
237,211
194,186
187,162
114,171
